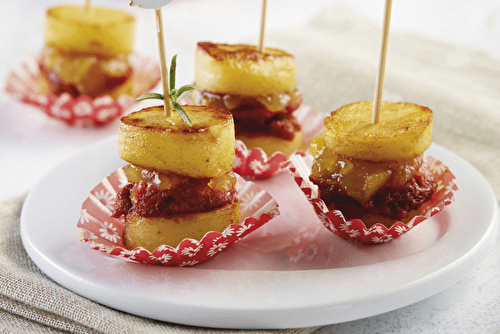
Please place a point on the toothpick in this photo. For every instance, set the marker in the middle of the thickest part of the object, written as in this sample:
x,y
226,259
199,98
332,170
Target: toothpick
x,y
163,63
381,68
88,5
262,25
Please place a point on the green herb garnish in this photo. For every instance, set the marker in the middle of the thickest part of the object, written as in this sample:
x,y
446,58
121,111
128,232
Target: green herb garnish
x,y
174,93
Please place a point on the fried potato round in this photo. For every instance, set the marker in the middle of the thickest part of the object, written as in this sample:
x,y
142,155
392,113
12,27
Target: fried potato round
x,y
149,139
272,144
97,30
242,69
403,132
170,230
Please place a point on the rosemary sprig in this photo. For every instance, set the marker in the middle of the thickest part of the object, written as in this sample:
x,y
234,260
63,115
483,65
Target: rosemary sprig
x,y
174,93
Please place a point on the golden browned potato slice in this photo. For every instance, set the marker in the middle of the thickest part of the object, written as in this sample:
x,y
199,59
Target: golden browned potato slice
x,y
149,139
242,69
153,232
403,132
274,144
98,30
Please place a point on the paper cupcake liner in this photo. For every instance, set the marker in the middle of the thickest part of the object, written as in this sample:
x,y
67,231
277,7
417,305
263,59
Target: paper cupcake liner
x,y
255,164
24,83
355,230
104,233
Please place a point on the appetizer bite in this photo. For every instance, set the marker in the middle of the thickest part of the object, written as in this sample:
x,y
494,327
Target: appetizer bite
x,y
374,172
180,182
259,88
86,50
177,201
87,73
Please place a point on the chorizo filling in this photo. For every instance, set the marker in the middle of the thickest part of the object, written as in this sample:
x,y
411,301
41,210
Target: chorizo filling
x,y
269,115
155,194
356,187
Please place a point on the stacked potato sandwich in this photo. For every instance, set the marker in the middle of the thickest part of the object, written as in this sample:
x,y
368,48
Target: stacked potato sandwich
x,y
258,87
374,172
180,182
86,50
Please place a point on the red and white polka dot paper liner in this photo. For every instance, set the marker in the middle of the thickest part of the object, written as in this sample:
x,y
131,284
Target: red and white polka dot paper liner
x,y
24,84
104,232
254,163
355,230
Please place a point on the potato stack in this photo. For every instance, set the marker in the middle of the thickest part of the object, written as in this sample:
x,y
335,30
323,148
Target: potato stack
x,y
374,171
86,49
180,179
258,87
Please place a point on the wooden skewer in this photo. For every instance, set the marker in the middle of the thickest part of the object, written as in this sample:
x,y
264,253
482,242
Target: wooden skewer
x,y
262,25
88,5
381,68
163,63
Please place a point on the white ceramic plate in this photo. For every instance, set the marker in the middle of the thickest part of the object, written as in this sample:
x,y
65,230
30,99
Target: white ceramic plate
x,y
261,282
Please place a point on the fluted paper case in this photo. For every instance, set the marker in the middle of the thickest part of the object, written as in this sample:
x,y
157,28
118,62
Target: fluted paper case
x,y
104,232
